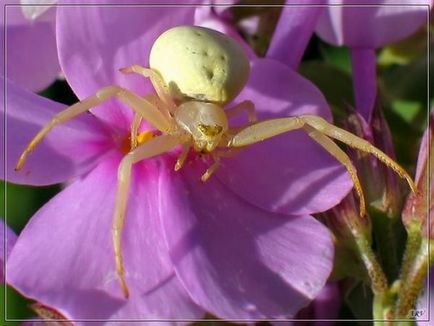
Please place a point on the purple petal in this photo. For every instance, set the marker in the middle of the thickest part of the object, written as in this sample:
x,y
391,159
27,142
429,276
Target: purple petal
x,y
424,150
68,150
95,42
33,9
293,32
237,261
290,173
67,246
324,308
327,303
16,13
364,69
31,49
206,17
7,241
222,8
425,304
377,23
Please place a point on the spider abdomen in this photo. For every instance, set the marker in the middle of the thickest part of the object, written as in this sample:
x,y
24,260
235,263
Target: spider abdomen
x,y
200,64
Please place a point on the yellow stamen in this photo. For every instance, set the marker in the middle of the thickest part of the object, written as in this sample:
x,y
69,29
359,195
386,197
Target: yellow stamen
x,y
144,136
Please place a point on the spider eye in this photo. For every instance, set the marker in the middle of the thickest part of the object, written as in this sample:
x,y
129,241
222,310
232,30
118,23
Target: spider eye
x,y
210,131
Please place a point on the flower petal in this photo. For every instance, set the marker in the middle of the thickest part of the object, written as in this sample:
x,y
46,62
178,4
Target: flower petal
x,y
235,260
327,303
31,50
372,25
207,17
364,68
67,246
7,241
68,150
324,308
96,41
293,31
289,174
33,9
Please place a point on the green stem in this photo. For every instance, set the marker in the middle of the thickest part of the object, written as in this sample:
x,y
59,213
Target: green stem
x,y
414,240
375,272
389,234
378,309
413,281
378,280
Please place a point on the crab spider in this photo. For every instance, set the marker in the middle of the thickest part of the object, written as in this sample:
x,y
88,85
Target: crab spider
x,y
195,72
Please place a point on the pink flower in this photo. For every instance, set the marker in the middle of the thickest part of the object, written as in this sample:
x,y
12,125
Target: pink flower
x,y
30,46
294,30
365,28
7,241
241,246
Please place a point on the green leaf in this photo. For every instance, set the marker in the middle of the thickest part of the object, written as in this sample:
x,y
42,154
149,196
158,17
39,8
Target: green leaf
x,y
404,51
359,299
22,202
409,82
338,57
16,305
335,84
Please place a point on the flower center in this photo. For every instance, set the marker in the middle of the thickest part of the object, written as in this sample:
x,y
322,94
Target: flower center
x,y
128,145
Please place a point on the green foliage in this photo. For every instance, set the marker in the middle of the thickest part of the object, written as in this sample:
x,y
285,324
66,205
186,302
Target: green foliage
x,y
17,307
22,202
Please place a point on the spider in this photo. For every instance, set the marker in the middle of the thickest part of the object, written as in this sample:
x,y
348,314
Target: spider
x,y
195,71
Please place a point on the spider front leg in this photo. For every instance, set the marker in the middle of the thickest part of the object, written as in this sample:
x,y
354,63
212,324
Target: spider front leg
x,y
156,80
137,103
213,167
149,149
352,140
331,147
183,156
134,130
244,106
320,130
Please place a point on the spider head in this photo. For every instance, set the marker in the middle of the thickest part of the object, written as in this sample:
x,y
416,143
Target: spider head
x,y
205,122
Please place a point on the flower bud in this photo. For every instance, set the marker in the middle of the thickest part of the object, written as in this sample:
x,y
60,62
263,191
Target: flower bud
x,y
420,204
380,184
348,227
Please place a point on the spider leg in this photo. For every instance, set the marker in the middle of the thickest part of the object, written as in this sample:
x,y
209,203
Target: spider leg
x,y
134,129
211,169
244,106
331,147
149,149
138,104
229,152
352,140
183,156
273,127
156,80
264,130
216,156
157,102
